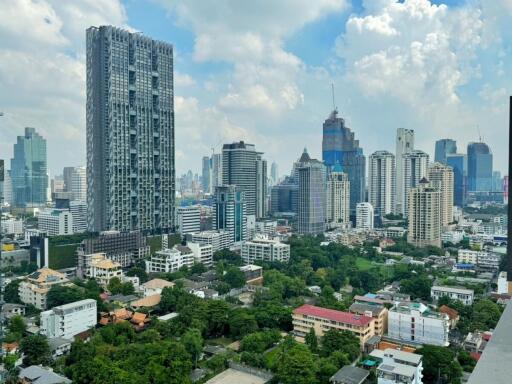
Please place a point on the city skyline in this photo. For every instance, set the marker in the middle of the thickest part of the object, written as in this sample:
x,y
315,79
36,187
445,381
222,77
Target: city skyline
x,y
298,58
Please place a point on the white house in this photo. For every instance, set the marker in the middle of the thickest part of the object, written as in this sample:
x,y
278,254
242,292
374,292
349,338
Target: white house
x,y
170,260
398,367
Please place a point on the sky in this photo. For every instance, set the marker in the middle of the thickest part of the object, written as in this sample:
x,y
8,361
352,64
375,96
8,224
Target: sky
x,y
261,71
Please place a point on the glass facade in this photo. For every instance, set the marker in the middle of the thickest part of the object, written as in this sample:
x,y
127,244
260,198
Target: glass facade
x,y
479,167
444,147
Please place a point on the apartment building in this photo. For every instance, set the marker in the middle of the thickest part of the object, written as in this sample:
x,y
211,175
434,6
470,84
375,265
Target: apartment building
x,y
203,253
482,259
102,269
415,322
69,320
378,312
398,367
322,320
34,289
217,239
464,295
264,249
55,222
170,260
188,219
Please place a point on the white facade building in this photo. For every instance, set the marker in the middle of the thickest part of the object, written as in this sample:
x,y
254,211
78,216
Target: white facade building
x,y
464,295
424,214
441,177
218,239
78,209
399,367
188,219
79,183
69,320
12,227
103,269
481,259
502,283
404,144
267,227
382,182
203,253
415,322
55,222
415,166
170,260
264,249
364,216
338,200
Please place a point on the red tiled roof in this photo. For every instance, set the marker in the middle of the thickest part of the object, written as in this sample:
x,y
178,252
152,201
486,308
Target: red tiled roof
x,y
452,313
475,355
331,314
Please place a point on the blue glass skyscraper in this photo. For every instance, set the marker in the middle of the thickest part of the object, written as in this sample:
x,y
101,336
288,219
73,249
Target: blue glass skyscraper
x,y
339,146
444,147
29,171
459,163
479,167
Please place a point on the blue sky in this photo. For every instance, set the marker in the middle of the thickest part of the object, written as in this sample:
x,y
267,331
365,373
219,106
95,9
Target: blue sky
x,y
262,71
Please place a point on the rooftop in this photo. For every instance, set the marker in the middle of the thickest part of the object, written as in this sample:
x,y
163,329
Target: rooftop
x,y
408,357
398,369
42,375
350,375
148,301
460,290
157,284
331,314
230,376
46,275
376,310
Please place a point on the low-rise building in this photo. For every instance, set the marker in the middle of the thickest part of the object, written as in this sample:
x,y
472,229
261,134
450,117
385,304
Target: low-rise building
x,y
464,295
417,323
349,375
155,286
12,227
103,269
10,310
34,289
322,320
37,374
69,320
261,248
253,274
59,346
482,259
399,367
170,260
217,239
453,315
203,253
378,312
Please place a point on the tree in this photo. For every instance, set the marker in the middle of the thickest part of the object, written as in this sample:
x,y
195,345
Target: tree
x,y
241,323
343,341
17,325
115,287
439,361
295,365
228,256
312,340
197,269
139,272
36,350
259,342
486,314
193,343
418,287
234,277
60,295
11,292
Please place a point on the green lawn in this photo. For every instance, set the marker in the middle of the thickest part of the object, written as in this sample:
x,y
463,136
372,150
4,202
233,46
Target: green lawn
x,y
363,264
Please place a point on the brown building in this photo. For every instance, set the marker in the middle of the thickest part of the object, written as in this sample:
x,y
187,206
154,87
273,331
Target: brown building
x,y
378,312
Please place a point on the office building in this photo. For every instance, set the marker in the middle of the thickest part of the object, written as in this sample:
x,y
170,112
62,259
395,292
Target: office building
x,y
67,173
261,188
78,209
415,167
338,199
34,289
102,269
274,173
266,227
55,222
170,260
284,198
215,171
69,320
364,216
378,312
398,367
130,132
243,166
424,215
479,167
261,248
459,164
124,248
464,295
382,182
79,184
339,146
230,212
404,144
322,320
415,322
311,196
6,188
444,147
29,171
217,239
205,175
441,177
203,253
188,219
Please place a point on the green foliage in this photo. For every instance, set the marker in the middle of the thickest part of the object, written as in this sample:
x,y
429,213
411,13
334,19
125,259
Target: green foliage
x,y
87,289
35,350
295,364
197,269
485,316
193,343
139,272
11,293
418,287
342,341
115,286
234,277
439,361
466,361
17,325
228,256
259,342
241,323
312,340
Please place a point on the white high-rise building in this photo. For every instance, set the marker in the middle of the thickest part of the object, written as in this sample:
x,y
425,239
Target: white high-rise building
x,y
78,209
338,199
441,177
215,172
188,219
68,320
424,215
55,222
364,216
79,183
382,182
415,168
404,144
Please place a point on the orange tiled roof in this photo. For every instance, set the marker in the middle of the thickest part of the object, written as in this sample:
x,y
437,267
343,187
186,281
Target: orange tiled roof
x,y
148,301
139,318
452,313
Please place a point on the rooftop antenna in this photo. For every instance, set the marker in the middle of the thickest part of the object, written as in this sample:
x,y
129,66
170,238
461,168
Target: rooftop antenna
x,y
479,135
333,102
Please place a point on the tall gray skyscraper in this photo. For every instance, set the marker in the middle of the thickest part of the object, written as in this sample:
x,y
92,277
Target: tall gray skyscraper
x,y
242,166
215,171
79,183
205,176
382,182
444,147
312,195
274,173
261,187
415,168
29,171
404,144
130,131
